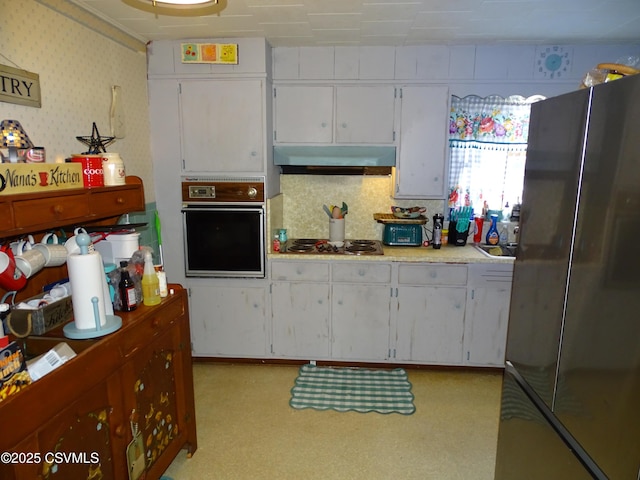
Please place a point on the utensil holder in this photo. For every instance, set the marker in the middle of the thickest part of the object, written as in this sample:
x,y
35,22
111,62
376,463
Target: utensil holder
x,y
336,229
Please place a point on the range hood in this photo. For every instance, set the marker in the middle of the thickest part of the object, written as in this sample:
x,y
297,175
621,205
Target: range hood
x,y
335,160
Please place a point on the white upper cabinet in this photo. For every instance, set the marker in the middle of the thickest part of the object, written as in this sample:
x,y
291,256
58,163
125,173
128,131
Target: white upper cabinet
x,y
221,123
365,114
421,164
334,114
303,114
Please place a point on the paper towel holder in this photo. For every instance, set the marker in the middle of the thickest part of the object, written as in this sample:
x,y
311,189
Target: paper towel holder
x,y
112,323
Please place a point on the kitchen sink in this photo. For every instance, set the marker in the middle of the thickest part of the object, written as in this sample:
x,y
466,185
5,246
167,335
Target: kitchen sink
x,y
508,250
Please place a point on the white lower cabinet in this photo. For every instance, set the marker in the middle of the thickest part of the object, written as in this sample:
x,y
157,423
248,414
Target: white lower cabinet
x,y
300,310
300,320
488,302
422,313
430,315
430,324
228,320
360,322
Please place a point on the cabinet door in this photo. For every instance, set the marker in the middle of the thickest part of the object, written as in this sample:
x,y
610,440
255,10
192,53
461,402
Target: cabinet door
x,y
365,114
430,324
303,114
300,319
91,427
422,151
228,321
154,400
360,322
485,335
221,123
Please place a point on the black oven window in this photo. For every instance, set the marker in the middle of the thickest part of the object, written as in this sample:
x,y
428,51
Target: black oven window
x,y
223,241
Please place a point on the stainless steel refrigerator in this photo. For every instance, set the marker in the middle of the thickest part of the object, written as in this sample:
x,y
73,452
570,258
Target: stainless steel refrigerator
x,y
571,391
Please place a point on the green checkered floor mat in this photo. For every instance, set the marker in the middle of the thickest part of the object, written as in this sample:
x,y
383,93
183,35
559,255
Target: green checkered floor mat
x,y
362,390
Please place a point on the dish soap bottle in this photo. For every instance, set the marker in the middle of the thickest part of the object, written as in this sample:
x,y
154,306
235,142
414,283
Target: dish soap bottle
x,y
493,237
150,282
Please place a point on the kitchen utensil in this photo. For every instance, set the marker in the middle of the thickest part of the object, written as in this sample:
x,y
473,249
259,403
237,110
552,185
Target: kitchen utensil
x,y
327,211
345,209
335,213
159,234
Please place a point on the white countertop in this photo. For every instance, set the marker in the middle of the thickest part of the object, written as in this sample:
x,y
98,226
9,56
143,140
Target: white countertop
x,y
446,254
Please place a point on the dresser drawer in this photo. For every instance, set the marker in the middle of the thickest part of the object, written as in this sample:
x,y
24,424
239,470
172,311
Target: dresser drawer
x,y
153,325
362,273
300,271
432,274
117,202
49,211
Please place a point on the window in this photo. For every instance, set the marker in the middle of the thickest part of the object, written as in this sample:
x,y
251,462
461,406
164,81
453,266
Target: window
x,y
487,147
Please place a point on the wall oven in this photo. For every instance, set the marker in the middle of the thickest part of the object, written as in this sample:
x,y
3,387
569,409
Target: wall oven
x,y
223,221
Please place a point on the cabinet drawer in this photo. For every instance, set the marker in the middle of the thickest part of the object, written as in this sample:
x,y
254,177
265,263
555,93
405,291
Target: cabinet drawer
x,y
6,219
432,274
117,202
361,272
49,211
490,275
300,271
153,325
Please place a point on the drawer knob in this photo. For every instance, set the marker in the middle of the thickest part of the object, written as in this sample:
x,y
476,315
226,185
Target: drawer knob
x,y
120,431
58,209
120,201
155,323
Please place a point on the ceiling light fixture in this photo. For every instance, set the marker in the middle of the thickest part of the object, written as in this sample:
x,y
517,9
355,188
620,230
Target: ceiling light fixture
x,y
179,8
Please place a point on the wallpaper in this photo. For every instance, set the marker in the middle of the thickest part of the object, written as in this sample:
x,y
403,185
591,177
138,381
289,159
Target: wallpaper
x,y
77,69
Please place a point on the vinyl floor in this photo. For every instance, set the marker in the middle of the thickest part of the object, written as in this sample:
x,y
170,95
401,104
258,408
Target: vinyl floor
x,y
247,430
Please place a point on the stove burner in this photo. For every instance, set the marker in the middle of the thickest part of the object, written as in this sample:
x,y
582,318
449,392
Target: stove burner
x,y
356,247
306,241
300,248
322,246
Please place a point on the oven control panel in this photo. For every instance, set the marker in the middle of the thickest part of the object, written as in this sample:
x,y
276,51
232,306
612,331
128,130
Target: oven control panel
x,y
202,191
223,190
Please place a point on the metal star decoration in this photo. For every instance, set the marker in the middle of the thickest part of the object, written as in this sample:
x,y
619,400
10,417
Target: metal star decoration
x,y
95,142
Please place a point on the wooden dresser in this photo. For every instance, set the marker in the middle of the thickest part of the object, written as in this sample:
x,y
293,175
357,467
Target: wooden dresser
x,y
142,373
77,421
37,213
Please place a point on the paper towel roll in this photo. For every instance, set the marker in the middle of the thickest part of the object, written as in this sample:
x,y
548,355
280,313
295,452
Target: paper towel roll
x,y
86,276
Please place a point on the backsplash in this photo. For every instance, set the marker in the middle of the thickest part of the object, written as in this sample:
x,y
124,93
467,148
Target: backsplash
x,y
301,213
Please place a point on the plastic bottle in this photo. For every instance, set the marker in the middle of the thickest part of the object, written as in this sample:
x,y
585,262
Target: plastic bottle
x,y
493,237
162,282
150,282
504,234
127,290
437,230
276,243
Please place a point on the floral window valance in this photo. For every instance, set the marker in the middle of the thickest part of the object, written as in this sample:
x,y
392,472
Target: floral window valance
x,y
490,119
